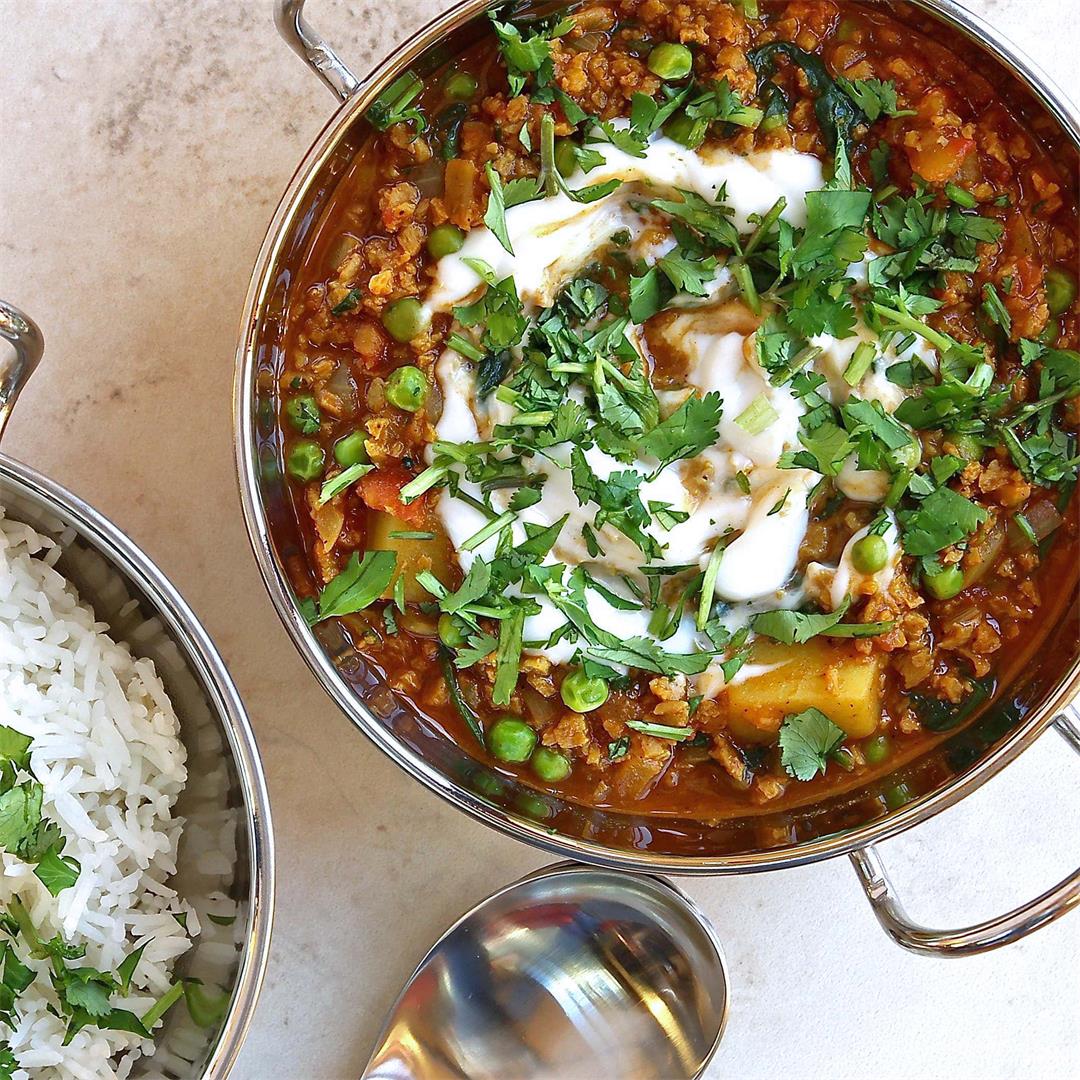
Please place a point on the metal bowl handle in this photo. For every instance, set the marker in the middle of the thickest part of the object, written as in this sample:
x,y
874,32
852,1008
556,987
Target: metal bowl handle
x,y
981,937
29,345
313,49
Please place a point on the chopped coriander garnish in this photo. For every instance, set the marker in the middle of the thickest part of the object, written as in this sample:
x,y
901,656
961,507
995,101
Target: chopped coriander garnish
x,y
961,197
411,534
807,740
502,197
757,416
660,731
344,479
874,97
358,586
394,104
995,309
943,518
508,657
708,585
489,530
861,361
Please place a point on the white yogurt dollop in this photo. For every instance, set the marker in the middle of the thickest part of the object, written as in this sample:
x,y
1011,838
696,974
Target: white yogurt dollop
x,y
552,240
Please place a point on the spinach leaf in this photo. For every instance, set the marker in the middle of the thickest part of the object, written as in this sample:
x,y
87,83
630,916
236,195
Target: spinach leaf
x,y
837,115
937,715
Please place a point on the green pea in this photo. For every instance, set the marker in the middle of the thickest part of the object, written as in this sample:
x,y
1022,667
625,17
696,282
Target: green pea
x,y
533,805
686,132
405,319
549,765
487,784
565,158
1060,290
461,86
407,388
1050,332
967,446
898,795
303,413
670,61
306,459
511,739
451,632
582,692
351,450
876,749
945,585
445,240
870,554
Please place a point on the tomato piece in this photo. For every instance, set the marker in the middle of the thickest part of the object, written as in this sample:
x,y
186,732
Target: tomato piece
x,y
381,490
937,158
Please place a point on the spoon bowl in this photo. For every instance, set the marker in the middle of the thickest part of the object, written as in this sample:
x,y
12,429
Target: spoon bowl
x,y
570,972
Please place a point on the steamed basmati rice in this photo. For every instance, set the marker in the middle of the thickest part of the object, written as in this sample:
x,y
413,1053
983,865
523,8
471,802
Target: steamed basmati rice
x,y
107,754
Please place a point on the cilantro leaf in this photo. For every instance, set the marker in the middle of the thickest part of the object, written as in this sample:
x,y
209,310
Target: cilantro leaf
x,y
643,653
111,1019
528,56
994,307
661,731
508,657
475,586
874,97
359,585
87,989
712,220
394,104
20,813
944,517
344,479
689,275
806,740
57,872
686,432
522,190
720,103
795,627
649,293
128,965
14,747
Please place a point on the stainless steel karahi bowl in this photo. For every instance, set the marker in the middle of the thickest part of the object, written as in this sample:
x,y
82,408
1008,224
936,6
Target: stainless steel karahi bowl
x,y
227,845
763,840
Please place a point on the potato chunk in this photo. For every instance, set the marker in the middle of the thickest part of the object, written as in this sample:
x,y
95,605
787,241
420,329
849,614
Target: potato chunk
x,y
819,674
413,556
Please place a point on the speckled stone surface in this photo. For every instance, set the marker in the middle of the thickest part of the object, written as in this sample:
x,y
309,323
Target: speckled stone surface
x,y
143,147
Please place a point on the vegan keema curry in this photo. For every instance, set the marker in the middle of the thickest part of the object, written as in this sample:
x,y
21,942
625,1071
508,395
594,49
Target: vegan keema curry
x,y
679,400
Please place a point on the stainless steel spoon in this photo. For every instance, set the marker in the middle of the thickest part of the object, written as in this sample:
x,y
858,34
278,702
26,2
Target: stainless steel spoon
x,y
572,972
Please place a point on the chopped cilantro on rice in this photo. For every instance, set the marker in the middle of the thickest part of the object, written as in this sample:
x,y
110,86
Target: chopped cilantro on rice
x,y
90,767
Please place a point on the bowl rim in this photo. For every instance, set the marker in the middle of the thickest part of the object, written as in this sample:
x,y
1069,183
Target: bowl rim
x,y
201,654
263,281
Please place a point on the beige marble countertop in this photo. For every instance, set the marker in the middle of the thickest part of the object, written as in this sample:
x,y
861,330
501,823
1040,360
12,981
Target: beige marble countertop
x,y
143,146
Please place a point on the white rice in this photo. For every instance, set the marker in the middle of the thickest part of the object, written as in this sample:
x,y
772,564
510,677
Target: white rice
x,y
107,753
